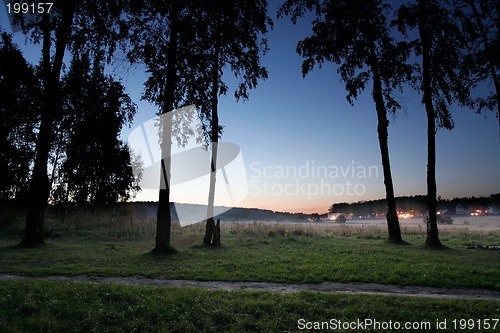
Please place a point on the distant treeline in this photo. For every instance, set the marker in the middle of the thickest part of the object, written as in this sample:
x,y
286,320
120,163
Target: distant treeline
x,y
147,210
416,204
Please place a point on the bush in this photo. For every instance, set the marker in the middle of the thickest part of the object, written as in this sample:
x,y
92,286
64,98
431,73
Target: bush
x,y
341,219
444,219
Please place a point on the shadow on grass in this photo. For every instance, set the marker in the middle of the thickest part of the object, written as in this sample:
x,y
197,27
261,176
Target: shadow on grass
x,y
169,250
437,247
20,248
402,243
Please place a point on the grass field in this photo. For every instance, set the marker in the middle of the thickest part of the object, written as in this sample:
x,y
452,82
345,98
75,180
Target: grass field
x,y
298,253
266,252
85,307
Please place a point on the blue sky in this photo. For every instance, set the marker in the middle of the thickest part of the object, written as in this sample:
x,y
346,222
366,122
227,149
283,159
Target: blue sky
x,y
294,123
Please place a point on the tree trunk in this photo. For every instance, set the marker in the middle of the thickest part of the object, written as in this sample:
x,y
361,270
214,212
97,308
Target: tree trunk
x,y
497,88
209,231
210,228
163,216
497,81
217,233
393,228
212,231
39,189
492,58
432,229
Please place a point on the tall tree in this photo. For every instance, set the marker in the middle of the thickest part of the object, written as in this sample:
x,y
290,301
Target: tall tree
x,y
160,38
440,47
19,96
356,35
185,52
96,165
230,36
77,24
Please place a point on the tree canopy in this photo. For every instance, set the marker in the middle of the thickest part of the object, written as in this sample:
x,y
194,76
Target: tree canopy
x,y
96,164
19,114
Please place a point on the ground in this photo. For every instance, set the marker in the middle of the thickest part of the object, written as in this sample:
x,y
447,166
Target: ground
x,y
325,287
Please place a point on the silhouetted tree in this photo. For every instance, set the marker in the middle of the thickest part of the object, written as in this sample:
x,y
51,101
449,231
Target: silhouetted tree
x,y
440,46
19,96
185,46
355,34
230,34
87,24
96,168
161,38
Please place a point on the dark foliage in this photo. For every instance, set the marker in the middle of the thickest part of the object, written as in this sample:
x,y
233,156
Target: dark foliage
x,y
19,114
480,25
75,25
95,167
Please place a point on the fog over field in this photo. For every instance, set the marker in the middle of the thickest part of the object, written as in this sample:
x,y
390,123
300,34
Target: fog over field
x,y
486,222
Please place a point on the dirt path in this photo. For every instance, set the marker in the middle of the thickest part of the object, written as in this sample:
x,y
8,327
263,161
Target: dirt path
x,y
330,287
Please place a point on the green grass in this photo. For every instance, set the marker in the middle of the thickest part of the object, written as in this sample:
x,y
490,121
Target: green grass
x,y
86,307
263,252
250,252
